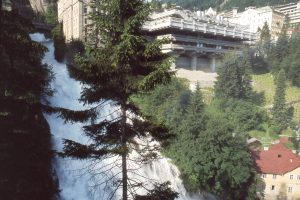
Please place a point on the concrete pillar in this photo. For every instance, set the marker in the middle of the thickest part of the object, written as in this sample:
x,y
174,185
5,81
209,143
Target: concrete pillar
x,y
213,64
194,62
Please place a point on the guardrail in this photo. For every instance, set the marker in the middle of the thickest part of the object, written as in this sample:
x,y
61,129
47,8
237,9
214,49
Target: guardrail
x,y
199,26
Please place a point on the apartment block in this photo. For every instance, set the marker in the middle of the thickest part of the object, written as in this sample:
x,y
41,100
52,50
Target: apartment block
x,y
255,19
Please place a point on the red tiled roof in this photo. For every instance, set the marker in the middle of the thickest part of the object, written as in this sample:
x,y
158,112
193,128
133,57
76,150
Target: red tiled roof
x,y
277,160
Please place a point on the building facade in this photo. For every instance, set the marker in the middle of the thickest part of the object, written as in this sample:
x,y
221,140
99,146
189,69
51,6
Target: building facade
x,y
197,39
73,14
255,18
280,172
292,10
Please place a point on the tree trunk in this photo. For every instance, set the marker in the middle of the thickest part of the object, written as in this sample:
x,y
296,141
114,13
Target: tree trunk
x,y
124,154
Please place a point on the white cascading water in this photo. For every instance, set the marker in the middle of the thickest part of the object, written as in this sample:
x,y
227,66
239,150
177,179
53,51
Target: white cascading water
x,y
75,182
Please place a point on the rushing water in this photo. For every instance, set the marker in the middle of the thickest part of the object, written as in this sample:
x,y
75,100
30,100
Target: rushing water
x,y
76,182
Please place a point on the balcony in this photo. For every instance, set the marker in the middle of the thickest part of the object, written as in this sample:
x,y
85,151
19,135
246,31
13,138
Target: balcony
x,y
199,26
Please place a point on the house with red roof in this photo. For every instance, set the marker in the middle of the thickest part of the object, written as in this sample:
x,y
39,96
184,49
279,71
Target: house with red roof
x,y
280,172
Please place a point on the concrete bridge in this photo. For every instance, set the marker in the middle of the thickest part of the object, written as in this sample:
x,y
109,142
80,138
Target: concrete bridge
x,y
198,41
43,27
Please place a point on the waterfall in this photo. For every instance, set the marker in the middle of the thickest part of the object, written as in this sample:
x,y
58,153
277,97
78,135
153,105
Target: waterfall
x,y
74,180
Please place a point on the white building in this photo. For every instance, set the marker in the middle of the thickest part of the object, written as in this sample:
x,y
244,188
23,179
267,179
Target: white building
x,y
73,15
292,10
255,19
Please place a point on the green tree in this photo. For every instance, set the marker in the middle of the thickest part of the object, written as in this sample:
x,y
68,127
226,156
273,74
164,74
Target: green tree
x,y
25,140
280,50
234,79
195,117
264,44
51,14
279,111
265,34
119,62
60,46
224,166
160,192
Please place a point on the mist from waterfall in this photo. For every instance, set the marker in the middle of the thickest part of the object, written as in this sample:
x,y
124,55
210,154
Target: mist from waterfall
x,y
76,179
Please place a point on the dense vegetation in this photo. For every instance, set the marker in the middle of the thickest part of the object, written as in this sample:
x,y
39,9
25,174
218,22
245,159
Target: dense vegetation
x,y
221,4
25,140
210,138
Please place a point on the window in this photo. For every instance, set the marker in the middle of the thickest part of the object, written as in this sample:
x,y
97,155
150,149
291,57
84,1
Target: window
x,y
274,176
290,189
298,177
273,187
291,177
264,175
84,9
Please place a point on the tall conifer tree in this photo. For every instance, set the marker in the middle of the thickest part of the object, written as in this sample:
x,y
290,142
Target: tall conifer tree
x,y
118,63
234,80
280,111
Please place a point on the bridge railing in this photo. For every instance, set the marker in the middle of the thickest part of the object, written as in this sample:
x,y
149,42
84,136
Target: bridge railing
x,y
199,26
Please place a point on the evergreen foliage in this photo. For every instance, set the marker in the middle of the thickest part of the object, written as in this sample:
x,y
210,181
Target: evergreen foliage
x,y
60,46
224,165
204,145
280,112
119,62
234,79
25,140
50,16
243,115
160,192
195,116
265,34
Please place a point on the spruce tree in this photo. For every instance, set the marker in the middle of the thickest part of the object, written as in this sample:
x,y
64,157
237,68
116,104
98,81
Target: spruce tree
x,y
265,41
234,79
281,48
118,63
25,139
195,117
279,110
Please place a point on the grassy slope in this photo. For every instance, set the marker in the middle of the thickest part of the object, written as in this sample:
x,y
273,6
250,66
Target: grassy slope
x,y
265,83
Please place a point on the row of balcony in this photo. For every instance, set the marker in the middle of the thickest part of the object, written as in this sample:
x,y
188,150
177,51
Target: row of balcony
x,y
200,40
196,26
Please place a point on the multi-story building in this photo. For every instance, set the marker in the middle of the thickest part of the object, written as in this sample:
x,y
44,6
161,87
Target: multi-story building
x,y
292,10
198,39
280,172
255,18
73,14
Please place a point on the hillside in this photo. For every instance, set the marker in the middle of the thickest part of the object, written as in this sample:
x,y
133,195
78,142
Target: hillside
x,y
241,4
